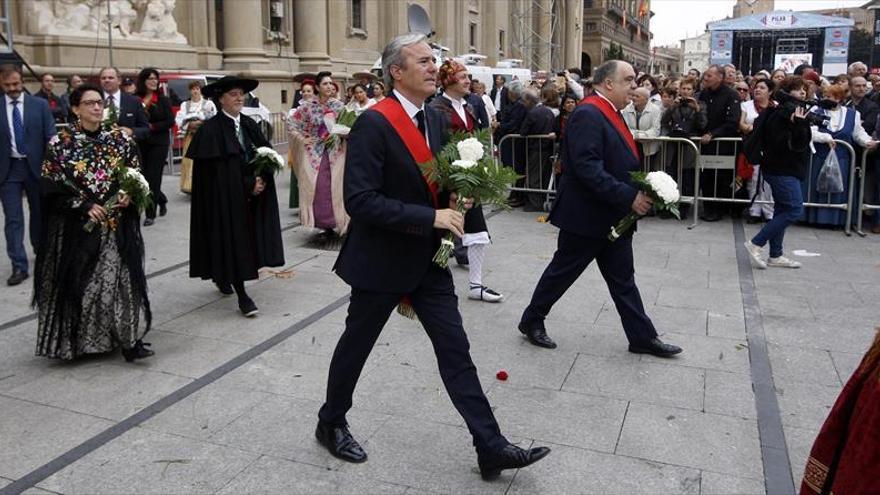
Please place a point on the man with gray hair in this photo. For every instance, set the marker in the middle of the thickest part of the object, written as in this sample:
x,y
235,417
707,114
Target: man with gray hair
x,y
857,69
397,221
595,193
509,122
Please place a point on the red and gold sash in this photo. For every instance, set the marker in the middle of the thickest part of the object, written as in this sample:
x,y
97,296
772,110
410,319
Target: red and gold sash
x,y
415,142
615,119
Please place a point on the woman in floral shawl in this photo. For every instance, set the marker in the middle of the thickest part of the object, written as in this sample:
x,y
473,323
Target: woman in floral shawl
x,y
320,166
89,284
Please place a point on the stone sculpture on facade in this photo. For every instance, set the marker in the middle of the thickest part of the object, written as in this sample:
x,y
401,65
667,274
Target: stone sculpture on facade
x,y
136,20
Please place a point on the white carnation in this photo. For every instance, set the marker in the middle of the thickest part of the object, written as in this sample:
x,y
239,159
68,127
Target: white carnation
x,y
135,174
470,149
664,186
270,153
464,163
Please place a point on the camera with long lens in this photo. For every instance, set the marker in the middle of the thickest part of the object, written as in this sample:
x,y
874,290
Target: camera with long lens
x,y
788,104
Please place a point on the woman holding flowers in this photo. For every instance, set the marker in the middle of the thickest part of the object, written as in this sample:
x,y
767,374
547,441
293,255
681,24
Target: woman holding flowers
x,y
460,118
234,227
294,151
90,287
320,164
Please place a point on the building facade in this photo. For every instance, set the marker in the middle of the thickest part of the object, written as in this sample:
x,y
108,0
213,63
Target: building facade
x,y
749,7
272,40
666,59
619,23
695,53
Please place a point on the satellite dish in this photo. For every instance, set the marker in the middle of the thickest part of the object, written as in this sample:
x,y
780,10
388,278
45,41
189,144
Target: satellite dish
x,y
418,20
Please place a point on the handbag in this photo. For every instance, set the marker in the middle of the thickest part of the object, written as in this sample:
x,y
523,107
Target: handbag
x,y
830,178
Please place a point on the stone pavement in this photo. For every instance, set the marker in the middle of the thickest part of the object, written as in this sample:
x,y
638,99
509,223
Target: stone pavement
x,y
229,405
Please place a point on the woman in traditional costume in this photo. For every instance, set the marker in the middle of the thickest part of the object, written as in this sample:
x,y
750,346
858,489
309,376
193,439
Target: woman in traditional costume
x,y
460,118
189,118
90,288
359,99
321,161
846,456
294,148
234,228
154,148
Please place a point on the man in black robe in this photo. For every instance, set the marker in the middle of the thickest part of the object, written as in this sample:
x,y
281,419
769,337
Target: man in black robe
x,y
235,228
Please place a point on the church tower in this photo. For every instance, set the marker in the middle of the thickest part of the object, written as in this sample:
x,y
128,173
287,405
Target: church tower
x,y
749,7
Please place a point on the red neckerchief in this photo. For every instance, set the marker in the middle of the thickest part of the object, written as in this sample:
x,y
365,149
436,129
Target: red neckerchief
x,y
615,119
415,142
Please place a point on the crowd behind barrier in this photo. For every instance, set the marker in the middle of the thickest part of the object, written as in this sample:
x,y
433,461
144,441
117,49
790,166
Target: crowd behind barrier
x,y
541,178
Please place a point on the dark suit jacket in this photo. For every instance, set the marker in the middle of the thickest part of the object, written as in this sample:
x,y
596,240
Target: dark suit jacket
x,y
39,128
539,120
160,120
391,238
133,115
479,110
57,105
595,190
504,100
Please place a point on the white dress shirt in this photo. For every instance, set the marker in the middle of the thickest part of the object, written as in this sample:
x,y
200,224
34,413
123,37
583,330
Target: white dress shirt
x,y
411,109
458,106
14,150
236,119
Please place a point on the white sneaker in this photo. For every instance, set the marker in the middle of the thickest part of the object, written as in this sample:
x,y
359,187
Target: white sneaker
x,y
483,293
755,253
783,262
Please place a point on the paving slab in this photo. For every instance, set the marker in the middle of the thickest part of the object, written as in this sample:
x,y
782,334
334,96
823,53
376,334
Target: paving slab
x,y
284,427
729,394
142,461
724,484
643,381
31,434
573,470
271,475
803,404
791,363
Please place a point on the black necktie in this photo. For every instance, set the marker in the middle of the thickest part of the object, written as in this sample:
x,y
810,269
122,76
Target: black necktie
x,y
420,118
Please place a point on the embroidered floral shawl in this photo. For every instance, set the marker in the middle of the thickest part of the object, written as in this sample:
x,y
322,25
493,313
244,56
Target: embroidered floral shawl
x,y
313,119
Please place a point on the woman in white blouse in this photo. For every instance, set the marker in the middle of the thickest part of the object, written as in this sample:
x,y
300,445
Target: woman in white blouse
x,y
359,100
844,124
189,118
750,111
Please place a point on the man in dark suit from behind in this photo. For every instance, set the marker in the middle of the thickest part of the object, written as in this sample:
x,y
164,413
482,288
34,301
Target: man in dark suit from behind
x,y
595,193
131,117
27,125
396,226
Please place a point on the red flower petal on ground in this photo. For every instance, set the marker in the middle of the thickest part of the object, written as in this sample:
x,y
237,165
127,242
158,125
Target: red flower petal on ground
x,y
501,375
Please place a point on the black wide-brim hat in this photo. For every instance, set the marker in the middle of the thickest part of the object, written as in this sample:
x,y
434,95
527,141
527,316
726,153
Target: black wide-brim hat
x,y
217,88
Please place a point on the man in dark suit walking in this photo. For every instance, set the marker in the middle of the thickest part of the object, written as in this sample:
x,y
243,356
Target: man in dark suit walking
x,y
130,114
27,125
595,192
397,220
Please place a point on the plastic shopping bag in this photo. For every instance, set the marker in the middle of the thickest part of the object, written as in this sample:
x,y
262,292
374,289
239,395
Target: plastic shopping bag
x,y
830,179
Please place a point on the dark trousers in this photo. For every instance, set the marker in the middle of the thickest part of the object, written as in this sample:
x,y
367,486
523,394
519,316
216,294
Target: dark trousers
x,y
19,181
435,303
615,259
155,157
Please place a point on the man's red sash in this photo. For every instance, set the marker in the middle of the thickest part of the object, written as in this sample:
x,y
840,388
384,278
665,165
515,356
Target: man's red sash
x,y
615,118
415,142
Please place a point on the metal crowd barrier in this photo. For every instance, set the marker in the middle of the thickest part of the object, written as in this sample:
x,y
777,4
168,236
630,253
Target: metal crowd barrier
x,y
537,178
677,157
864,206
718,162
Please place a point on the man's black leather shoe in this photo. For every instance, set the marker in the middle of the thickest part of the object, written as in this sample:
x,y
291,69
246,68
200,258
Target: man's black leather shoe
x,y
16,278
339,442
537,336
655,347
510,457
225,289
247,307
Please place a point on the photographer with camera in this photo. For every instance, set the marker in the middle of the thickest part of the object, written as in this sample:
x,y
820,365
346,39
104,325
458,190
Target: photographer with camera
x,y
783,135
684,119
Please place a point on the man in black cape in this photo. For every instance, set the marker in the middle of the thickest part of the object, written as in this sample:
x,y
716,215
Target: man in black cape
x,y
235,228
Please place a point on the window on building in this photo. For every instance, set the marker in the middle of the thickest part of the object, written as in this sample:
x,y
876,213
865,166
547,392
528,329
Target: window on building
x,y
699,45
589,26
501,42
357,14
588,4
472,35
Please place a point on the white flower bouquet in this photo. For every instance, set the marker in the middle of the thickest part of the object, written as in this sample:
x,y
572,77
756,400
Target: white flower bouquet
x,y
465,166
344,122
132,184
266,160
663,191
